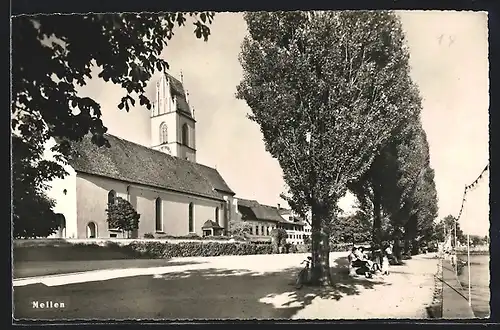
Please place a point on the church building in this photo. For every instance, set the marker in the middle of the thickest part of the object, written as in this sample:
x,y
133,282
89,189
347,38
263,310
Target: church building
x,y
173,194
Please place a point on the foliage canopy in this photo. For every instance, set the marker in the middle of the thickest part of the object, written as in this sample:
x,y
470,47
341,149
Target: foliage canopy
x,y
328,90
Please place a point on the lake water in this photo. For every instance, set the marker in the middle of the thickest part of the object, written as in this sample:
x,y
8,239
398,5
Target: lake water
x,y
480,283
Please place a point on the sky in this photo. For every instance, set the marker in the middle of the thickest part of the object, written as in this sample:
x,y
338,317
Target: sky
x,y
449,62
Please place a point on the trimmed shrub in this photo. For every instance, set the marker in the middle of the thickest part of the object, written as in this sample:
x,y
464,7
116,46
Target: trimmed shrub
x,y
302,248
238,238
342,247
111,251
189,237
23,243
168,250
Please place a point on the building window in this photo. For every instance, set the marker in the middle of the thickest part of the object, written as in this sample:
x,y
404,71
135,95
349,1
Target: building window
x,y
163,133
253,230
262,230
191,218
91,230
217,215
185,135
128,194
256,230
62,225
158,213
111,197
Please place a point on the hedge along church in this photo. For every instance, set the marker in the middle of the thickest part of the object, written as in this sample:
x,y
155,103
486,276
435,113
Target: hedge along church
x,y
173,194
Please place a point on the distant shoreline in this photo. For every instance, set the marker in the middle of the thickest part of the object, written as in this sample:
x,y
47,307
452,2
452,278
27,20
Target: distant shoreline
x,y
474,253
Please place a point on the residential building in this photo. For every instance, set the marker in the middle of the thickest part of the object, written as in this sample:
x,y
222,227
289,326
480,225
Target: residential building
x,y
262,218
294,226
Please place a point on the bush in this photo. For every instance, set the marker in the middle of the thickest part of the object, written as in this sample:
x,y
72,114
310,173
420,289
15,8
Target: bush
x,y
122,215
111,251
194,249
239,238
279,236
240,228
303,248
342,247
189,237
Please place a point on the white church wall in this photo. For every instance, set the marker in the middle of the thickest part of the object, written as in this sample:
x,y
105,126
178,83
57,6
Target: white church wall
x,y
63,191
175,212
92,199
92,192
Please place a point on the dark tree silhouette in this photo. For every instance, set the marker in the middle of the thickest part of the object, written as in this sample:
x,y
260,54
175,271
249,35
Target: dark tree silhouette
x,y
52,55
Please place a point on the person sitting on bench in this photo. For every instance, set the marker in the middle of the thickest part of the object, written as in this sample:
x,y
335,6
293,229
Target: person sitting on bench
x,y
356,261
373,266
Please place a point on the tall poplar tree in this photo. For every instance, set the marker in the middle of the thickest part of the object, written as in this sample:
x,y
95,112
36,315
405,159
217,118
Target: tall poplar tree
x,y
328,89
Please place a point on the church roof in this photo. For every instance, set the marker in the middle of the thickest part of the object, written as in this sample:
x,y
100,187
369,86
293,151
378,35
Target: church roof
x,y
211,224
177,91
130,162
253,210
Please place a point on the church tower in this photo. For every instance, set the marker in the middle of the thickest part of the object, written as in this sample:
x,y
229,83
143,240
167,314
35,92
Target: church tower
x,y
172,121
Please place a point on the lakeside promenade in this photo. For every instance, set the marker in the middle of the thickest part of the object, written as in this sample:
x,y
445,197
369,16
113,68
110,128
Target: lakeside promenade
x,y
455,303
231,287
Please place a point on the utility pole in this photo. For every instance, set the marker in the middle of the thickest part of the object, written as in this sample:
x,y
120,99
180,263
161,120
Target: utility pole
x,y
468,267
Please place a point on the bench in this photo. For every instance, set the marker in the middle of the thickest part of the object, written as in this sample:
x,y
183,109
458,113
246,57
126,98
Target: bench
x,y
353,271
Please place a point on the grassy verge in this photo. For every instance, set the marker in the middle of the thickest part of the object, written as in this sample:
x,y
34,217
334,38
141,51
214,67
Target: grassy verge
x,y
24,269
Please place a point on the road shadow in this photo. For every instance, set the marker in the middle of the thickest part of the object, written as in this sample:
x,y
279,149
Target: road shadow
x,y
82,252
26,269
292,301
213,293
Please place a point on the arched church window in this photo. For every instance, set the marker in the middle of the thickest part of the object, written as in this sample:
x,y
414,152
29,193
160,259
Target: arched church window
x,y
158,219
217,215
185,135
163,133
111,197
191,218
62,225
91,230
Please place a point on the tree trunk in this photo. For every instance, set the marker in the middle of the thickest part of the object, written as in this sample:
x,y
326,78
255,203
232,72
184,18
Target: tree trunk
x,y
415,248
320,271
397,249
377,220
407,246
